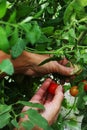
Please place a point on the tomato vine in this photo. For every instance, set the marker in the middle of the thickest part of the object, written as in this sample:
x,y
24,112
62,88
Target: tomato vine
x,y
44,27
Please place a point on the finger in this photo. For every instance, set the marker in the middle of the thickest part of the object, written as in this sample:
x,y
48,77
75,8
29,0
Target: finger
x,y
52,108
37,98
63,62
48,98
58,98
64,70
42,90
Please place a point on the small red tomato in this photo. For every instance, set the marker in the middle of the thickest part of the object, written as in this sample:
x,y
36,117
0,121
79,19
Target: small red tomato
x,y
85,84
52,88
84,81
74,91
85,87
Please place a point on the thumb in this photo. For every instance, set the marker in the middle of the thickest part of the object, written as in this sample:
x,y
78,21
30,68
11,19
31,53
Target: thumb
x,y
63,70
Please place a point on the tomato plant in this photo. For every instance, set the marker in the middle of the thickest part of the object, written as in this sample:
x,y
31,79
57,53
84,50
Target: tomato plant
x,y
44,27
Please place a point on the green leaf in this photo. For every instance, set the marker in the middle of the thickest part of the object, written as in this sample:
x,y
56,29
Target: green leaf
x,y
82,28
2,8
12,18
85,98
8,30
4,119
14,37
18,48
80,102
30,104
4,109
72,33
68,12
79,9
7,67
75,10
84,122
26,27
72,123
15,123
37,119
48,30
4,44
27,125
82,2
33,34
50,10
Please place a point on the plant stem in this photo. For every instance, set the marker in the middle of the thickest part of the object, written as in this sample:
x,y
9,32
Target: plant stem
x,y
70,110
7,23
58,51
81,36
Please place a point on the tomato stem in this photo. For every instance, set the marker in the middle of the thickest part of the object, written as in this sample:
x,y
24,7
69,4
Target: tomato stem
x,y
7,23
70,109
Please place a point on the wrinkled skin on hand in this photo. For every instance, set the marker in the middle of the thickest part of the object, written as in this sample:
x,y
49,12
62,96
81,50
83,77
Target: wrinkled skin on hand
x,y
27,63
52,103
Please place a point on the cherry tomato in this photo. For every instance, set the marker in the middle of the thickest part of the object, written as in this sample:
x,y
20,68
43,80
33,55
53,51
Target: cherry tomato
x,y
52,88
85,87
85,84
74,91
84,81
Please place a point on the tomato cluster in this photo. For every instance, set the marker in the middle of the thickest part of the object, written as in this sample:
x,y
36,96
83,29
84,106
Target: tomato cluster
x,y
74,89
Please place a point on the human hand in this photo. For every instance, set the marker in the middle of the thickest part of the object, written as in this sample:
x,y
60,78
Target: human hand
x,y
27,63
52,103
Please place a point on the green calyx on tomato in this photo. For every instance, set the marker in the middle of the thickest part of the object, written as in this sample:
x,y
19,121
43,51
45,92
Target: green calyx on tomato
x,y
52,87
74,91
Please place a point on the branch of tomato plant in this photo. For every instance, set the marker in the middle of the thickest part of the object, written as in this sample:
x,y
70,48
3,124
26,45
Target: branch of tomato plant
x,y
14,114
70,109
58,51
7,23
81,36
83,20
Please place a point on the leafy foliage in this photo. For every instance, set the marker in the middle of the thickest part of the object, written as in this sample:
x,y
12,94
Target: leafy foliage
x,y
45,27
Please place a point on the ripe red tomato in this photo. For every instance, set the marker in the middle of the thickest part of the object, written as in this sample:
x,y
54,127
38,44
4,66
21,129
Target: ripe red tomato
x,y
74,91
84,81
85,84
85,87
52,88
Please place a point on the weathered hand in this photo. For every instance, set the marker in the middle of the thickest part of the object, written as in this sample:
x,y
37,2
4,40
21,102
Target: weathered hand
x,y
28,63
52,103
